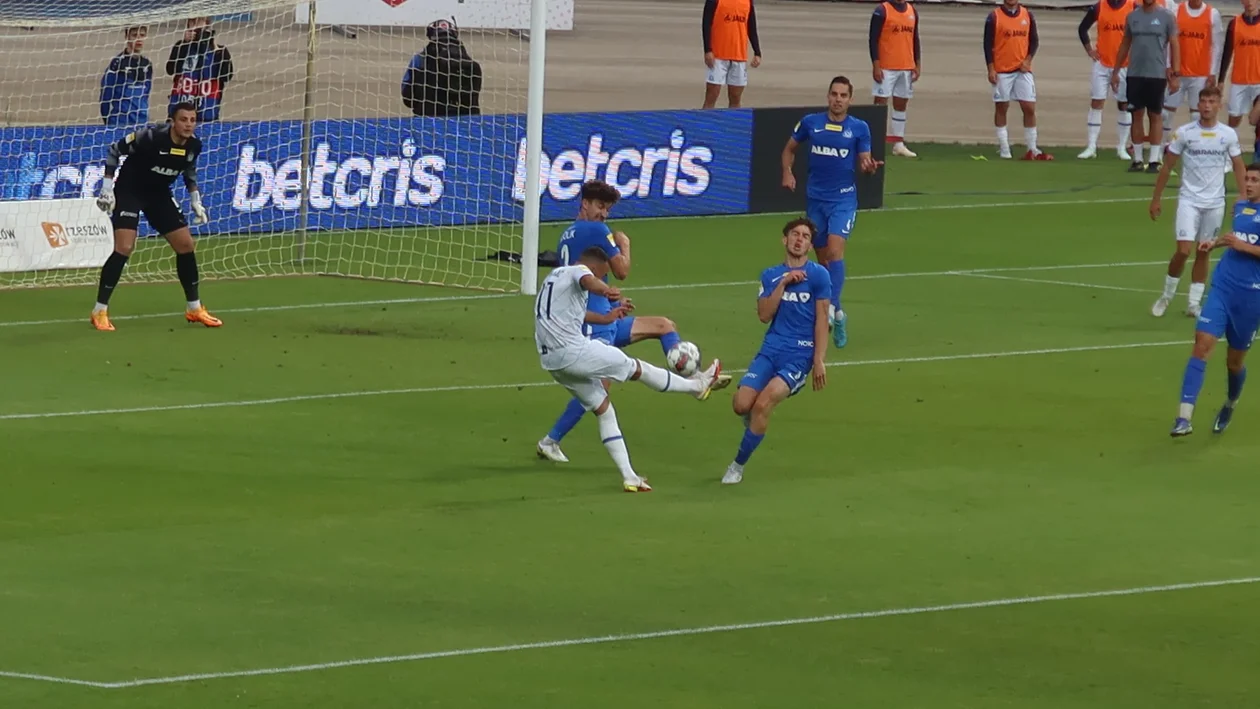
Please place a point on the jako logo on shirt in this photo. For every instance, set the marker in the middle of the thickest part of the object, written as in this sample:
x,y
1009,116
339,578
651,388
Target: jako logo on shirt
x,y
681,169
827,150
796,297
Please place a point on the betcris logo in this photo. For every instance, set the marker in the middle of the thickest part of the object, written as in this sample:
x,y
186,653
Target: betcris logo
x,y
662,163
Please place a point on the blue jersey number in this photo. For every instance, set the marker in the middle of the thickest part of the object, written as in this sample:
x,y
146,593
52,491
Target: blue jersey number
x,y
564,255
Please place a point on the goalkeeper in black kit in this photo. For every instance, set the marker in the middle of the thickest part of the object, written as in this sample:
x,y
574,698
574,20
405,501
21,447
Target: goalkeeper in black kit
x,y
155,157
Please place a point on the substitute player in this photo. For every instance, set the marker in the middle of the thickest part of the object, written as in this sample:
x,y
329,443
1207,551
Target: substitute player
x,y
793,299
1242,47
727,28
1232,309
1207,150
155,156
840,146
1010,43
1110,16
581,364
1150,41
611,324
1200,36
896,63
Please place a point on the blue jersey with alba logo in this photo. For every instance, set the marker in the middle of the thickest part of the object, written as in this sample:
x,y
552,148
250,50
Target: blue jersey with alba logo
x,y
833,155
580,237
1236,270
793,325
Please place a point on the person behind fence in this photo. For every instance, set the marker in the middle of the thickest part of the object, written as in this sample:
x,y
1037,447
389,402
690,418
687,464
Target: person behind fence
x,y
443,79
201,69
126,84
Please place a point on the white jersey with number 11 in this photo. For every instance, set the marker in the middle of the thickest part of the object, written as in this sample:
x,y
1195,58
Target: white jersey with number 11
x,y
559,313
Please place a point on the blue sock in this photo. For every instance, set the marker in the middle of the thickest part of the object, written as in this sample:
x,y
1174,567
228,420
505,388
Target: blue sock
x,y
669,340
836,268
747,446
572,414
1193,380
1236,382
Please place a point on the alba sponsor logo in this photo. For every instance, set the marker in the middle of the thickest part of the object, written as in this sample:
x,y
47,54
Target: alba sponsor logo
x,y
60,235
668,170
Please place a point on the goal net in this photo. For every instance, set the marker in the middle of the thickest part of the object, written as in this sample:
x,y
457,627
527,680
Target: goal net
x,y
407,141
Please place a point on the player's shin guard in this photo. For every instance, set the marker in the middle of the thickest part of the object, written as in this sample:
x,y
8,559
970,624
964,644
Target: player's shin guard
x,y
658,379
186,267
1236,381
572,414
111,274
747,445
615,443
1191,383
836,269
669,341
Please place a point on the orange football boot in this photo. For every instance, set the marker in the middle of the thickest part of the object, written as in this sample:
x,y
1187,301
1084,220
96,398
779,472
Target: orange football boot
x,y
100,321
201,315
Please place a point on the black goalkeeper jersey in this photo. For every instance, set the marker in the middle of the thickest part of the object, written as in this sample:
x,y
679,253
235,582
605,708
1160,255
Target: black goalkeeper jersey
x,y
153,160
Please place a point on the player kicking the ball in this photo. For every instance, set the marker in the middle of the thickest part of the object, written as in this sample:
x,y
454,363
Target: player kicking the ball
x,y
581,364
794,298
840,146
1232,309
612,325
1207,149
155,157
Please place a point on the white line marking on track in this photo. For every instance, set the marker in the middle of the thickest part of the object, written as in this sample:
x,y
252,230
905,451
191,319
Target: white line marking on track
x,y
653,635
494,296
1076,284
523,385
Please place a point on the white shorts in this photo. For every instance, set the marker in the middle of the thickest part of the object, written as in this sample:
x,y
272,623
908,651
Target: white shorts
x,y
1241,96
1017,85
1187,92
896,83
728,73
584,377
1100,83
1198,223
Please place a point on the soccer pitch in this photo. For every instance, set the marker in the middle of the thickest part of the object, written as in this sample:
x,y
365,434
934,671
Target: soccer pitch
x,y
333,501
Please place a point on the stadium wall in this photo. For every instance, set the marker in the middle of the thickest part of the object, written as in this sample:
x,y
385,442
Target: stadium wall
x,y
392,172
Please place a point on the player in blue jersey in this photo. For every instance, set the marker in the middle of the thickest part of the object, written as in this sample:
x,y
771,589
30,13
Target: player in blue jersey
x,y
795,299
839,148
1232,309
612,325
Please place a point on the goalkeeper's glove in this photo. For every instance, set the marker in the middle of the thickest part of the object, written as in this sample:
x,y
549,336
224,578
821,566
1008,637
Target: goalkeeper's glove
x,y
200,215
105,201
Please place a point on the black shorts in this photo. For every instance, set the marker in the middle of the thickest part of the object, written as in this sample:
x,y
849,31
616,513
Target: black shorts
x,y
158,206
1145,93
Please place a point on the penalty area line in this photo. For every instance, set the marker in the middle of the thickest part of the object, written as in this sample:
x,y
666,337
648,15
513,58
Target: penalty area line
x,y
524,385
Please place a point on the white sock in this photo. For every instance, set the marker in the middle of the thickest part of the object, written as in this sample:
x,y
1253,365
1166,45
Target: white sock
x,y
658,379
1030,139
897,128
1196,293
1186,411
1157,153
100,308
1124,126
610,434
1004,140
1170,286
1139,152
1093,126
194,304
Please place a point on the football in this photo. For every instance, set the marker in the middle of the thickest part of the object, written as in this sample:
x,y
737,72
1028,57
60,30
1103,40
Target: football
x,y
684,358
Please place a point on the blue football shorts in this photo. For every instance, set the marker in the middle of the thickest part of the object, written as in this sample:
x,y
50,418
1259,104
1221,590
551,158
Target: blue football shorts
x,y
1232,313
792,367
831,218
616,334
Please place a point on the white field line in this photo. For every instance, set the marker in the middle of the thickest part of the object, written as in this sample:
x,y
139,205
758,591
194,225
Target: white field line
x,y
493,296
54,680
523,385
652,635
1076,284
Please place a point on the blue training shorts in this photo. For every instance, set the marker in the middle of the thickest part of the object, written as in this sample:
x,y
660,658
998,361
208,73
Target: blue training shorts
x,y
792,367
1233,313
616,334
831,218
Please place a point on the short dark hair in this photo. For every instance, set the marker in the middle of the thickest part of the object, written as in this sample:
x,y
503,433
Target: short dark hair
x,y
600,191
183,106
840,80
1212,91
137,29
595,254
1254,167
800,221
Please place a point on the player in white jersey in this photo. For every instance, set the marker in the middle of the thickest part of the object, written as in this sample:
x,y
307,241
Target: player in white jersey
x,y
581,365
1207,150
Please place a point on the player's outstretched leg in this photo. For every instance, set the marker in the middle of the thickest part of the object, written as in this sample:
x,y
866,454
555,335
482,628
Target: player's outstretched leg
x,y
1236,368
699,385
186,268
755,408
549,446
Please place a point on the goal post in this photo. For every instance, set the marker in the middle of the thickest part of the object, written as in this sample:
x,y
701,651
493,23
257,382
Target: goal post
x,y
386,153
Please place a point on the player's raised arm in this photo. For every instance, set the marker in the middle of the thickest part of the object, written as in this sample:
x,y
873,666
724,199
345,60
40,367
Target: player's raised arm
x,y
771,293
620,263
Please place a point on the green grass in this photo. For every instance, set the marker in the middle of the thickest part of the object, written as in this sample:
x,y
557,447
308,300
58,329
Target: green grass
x,y
160,543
